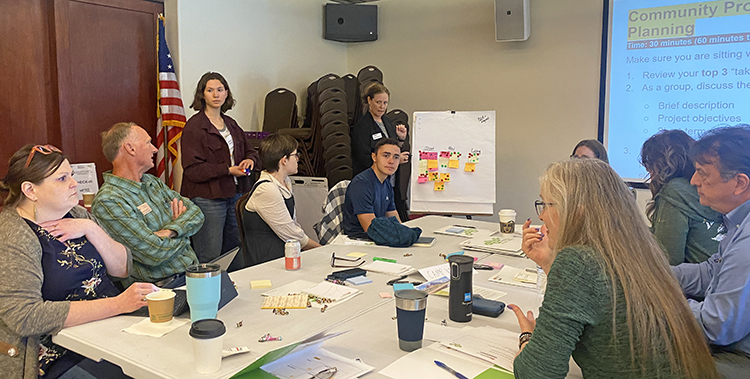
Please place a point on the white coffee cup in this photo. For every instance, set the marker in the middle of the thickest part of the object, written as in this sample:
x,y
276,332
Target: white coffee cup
x,y
507,221
208,341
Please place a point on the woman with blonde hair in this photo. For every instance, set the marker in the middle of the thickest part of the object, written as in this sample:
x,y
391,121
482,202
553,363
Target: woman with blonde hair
x,y
612,301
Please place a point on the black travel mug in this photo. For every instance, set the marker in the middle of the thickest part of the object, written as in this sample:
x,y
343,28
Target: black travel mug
x,y
459,302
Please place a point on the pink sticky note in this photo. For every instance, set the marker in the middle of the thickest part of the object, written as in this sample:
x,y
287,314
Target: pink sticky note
x,y
385,295
424,155
422,179
445,154
432,155
495,265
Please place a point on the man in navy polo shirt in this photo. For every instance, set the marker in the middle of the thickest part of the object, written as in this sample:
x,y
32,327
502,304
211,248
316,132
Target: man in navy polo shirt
x,y
370,194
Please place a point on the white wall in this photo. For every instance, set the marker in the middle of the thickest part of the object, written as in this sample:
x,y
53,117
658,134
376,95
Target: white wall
x,y
441,54
435,55
258,45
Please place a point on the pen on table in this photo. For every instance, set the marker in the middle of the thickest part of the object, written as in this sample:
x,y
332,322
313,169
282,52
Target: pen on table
x,y
530,269
452,371
383,259
465,226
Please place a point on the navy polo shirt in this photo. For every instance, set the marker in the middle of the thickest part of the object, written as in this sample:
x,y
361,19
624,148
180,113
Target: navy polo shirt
x,y
366,194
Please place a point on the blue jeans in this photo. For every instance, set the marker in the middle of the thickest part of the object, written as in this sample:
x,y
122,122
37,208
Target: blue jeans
x,y
219,232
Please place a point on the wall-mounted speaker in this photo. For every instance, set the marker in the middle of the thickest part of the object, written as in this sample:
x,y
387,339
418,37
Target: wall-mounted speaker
x,y
351,23
512,20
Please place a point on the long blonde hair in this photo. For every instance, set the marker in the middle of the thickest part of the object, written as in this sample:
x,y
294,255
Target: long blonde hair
x,y
598,211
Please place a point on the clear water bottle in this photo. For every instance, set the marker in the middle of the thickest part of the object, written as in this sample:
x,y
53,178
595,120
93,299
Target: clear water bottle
x,y
541,280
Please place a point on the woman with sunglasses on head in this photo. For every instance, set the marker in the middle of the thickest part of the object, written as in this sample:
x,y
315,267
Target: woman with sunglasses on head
x,y
687,230
269,217
611,301
55,266
218,162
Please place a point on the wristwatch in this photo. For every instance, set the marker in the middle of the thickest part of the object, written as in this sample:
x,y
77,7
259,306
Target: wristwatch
x,y
523,338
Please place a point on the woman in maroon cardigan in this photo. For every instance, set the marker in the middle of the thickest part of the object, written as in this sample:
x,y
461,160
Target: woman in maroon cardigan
x,y
217,161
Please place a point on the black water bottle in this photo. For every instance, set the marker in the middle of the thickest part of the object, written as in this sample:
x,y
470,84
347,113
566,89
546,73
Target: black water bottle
x,y
459,303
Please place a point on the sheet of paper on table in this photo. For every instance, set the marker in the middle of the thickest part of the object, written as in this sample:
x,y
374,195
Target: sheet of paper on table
x,y
509,274
395,269
420,363
295,287
494,345
308,362
335,292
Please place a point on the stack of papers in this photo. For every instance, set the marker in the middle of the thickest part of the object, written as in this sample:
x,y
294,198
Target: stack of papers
x,y
461,231
334,292
496,244
393,269
494,345
515,277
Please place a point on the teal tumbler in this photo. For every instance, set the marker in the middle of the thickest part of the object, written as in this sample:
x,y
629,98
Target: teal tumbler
x,y
203,290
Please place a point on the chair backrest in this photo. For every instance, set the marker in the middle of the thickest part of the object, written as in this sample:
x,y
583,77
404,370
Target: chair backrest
x,y
338,161
279,110
350,87
336,138
330,81
332,93
239,212
333,212
334,127
370,72
336,150
331,104
333,115
398,116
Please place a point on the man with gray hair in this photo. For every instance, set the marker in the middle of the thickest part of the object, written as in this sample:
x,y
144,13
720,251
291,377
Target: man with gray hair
x,y
718,288
140,211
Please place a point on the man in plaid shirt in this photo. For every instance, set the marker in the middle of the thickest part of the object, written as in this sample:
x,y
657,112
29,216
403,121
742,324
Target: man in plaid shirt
x,y
140,211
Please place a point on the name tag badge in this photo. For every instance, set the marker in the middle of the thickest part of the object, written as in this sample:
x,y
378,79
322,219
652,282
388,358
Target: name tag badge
x,y
145,208
377,136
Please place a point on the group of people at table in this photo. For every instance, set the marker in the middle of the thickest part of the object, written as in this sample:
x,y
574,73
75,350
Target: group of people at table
x,y
623,300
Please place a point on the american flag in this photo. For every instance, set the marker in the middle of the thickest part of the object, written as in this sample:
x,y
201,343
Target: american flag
x,y
170,111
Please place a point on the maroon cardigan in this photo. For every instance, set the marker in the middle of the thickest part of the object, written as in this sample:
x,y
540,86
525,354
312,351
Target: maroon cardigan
x,y
205,159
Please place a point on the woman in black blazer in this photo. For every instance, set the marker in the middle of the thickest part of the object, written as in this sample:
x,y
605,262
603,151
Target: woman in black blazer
x,y
373,126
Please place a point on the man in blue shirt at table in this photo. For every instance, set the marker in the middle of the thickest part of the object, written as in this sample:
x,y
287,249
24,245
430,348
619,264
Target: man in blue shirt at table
x,y
722,177
370,193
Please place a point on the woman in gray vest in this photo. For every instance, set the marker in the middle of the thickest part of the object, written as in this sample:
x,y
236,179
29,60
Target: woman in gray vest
x,y
270,217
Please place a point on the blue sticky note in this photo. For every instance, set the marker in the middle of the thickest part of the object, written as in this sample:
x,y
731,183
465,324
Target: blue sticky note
x,y
357,280
402,286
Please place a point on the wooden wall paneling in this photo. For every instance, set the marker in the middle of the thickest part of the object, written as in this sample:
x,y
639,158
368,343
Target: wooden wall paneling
x,y
28,101
107,71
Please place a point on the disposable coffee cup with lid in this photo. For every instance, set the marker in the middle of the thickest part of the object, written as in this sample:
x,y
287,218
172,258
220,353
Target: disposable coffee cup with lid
x,y
507,221
208,341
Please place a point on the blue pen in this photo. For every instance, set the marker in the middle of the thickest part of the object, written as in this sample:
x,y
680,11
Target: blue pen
x,y
452,371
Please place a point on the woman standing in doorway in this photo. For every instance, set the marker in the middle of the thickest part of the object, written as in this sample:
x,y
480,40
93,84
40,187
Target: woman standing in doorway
x,y
218,161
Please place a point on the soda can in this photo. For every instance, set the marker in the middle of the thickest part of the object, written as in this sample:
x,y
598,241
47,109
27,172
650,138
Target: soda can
x,y
292,254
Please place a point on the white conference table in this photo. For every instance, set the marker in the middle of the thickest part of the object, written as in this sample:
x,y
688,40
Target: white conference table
x,y
372,336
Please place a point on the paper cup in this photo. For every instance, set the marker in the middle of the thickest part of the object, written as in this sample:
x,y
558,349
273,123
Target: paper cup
x,y
208,340
88,199
507,221
160,306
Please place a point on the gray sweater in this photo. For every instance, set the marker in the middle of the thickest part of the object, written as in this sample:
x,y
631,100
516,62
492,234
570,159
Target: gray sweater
x,y
24,315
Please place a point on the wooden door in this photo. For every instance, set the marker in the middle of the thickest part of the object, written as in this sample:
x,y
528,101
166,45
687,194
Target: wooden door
x,y
107,71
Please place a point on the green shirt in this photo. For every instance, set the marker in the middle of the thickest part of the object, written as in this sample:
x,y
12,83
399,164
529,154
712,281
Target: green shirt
x,y
131,212
576,319
686,230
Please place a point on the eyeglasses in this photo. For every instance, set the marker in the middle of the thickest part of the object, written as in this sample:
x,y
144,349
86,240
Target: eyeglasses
x,y
44,149
353,260
541,206
325,373
294,155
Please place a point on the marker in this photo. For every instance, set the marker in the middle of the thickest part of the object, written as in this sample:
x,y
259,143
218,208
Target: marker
x,y
383,259
452,371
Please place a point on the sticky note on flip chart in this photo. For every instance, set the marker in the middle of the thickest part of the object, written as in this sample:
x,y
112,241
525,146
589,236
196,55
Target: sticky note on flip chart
x,y
432,165
439,186
422,165
433,176
470,167
432,155
474,157
455,155
422,178
453,163
445,177
443,162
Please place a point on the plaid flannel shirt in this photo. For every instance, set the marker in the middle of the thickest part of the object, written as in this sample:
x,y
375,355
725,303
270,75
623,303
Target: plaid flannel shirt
x,y
131,212
333,209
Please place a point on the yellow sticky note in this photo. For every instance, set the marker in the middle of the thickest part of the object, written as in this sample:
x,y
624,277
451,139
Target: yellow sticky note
x,y
422,165
356,255
256,284
445,177
433,176
432,163
470,167
439,186
453,163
